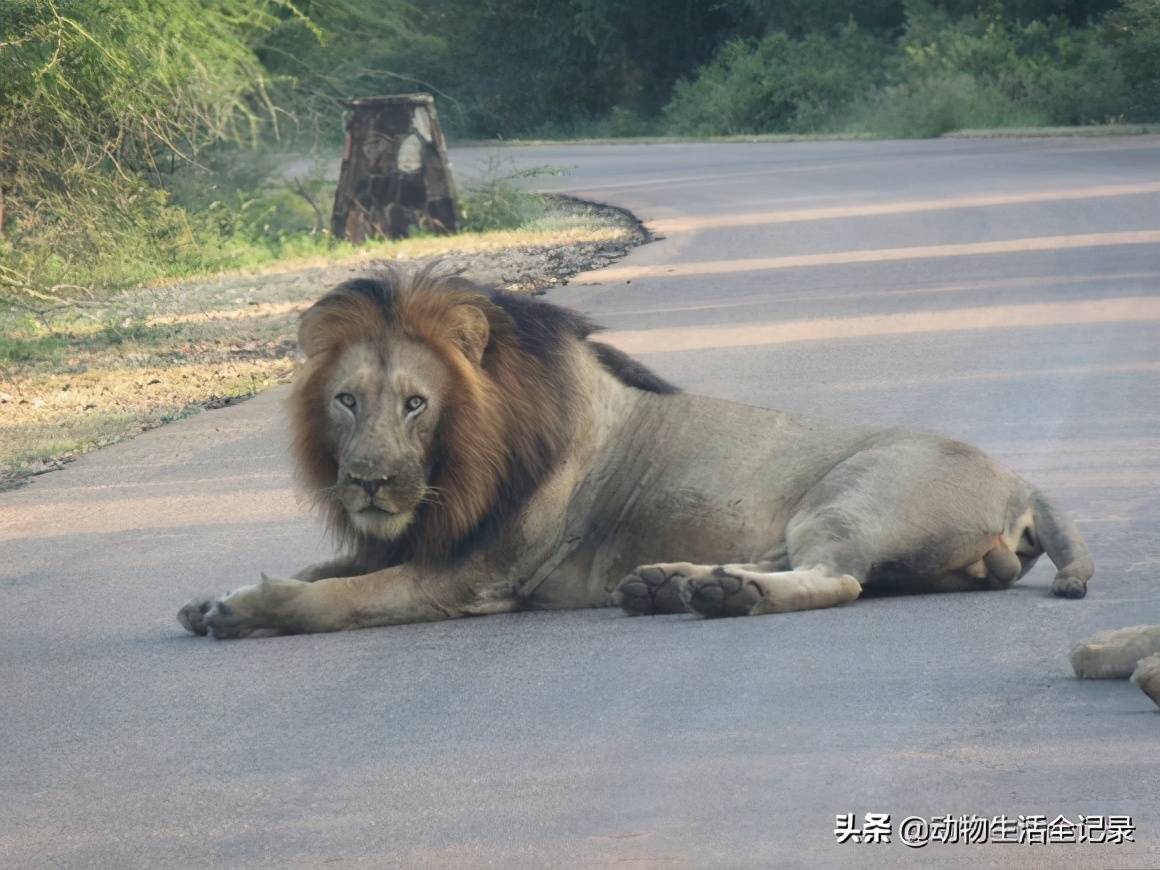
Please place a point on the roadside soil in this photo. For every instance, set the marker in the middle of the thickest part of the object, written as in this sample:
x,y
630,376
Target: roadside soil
x,y
153,355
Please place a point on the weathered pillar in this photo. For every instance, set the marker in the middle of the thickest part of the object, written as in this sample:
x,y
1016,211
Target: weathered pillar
x,y
394,173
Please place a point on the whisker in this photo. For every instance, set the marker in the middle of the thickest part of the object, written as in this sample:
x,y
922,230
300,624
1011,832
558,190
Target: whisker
x,y
431,495
325,493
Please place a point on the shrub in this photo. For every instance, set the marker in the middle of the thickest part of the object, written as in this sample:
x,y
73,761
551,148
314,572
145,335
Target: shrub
x,y
779,84
943,73
1133,32
496,202
1043,72
937,105
96,98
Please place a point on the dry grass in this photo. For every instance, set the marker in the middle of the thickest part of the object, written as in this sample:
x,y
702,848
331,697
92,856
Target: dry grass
x,y
76,379
57,416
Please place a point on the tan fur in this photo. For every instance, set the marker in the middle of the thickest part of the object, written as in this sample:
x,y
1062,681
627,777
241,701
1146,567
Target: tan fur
x,y
1147,677
540,469
1113,654
1120,653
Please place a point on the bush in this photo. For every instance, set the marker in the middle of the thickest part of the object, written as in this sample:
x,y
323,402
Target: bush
x,y
937,105
944,73
1044,72
1133,32
779,84
496,202
96,100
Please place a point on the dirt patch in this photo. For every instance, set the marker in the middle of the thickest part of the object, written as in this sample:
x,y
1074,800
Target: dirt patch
x,y
149,356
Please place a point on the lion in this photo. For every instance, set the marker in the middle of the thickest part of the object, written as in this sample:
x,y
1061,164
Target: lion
x,y
1124,653
478,452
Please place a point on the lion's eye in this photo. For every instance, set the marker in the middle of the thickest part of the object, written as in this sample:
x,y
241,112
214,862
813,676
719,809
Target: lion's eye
x,y
415,404
346,400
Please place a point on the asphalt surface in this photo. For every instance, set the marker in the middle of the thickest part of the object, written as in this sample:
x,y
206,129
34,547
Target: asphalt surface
x,y
1005,292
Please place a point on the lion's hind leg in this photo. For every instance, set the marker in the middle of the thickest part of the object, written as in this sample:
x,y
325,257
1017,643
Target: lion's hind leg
x,y
652,589
659,588
731,590
735,590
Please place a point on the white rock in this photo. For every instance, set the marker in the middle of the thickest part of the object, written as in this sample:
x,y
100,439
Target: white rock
x,y
410,155
423,124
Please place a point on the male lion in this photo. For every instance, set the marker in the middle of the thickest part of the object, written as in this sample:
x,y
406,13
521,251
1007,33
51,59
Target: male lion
x,y
476,452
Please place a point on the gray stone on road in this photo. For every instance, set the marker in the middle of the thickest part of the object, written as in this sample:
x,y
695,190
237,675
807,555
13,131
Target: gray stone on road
x,y
1000,291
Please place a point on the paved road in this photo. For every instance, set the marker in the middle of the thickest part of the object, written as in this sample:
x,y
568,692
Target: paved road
x,y
1002,291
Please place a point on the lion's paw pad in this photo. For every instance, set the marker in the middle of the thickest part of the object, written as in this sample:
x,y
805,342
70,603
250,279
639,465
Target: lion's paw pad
x,y
651,589
1067,586
261,610
193,616
720,594
210,616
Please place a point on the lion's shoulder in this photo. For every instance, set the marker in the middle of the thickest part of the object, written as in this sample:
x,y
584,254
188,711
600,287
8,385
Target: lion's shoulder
x,y
545,329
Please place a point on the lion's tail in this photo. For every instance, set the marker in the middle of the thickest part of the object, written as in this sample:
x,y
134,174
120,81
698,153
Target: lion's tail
x,y
1058,537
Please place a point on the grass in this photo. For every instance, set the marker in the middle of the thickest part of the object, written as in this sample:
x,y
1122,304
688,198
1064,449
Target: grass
x,y
1021,132
76,378
1089,131
665,139
54,417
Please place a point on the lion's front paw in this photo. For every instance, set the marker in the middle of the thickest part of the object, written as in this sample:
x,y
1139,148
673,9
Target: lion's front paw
x,y
262,610
192,616
719,593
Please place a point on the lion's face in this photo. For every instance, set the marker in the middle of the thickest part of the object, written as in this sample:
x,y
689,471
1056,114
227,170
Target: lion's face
x,y
383,408
424,410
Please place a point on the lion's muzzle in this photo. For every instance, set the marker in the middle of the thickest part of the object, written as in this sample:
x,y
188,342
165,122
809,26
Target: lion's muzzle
x,y
381,505
372,487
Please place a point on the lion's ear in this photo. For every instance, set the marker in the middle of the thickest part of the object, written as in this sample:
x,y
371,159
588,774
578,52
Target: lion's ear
x,y
470,331
311,331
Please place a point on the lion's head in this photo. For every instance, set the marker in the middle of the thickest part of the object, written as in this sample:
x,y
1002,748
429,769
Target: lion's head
x,y
428,409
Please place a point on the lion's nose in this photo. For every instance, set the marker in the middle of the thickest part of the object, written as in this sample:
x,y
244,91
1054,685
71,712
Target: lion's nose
x,y
371,486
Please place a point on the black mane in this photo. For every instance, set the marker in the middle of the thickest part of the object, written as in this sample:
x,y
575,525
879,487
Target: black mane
x,y
542,328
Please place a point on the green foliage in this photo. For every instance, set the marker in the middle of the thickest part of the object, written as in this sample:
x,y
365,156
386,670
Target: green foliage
x,y
137,137
1133,32
779,84
496,202
935,105
1045,68
324,52
945,72
97,99
799,17
525,67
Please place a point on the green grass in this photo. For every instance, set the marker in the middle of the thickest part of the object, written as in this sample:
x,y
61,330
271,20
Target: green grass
x,y
21,348
233,211
937,106
863,135
1088,130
